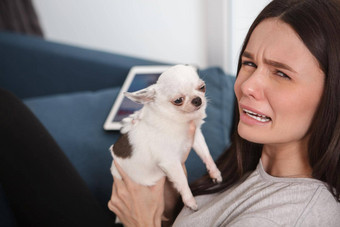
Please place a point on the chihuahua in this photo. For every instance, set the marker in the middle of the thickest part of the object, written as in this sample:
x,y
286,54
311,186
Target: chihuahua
x,y
155,140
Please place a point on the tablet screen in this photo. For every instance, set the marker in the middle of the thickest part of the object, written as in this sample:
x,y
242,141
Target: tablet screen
x,y
139,77
139,82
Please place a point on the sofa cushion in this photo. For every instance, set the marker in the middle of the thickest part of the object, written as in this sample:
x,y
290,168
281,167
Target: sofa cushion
x,y
76,120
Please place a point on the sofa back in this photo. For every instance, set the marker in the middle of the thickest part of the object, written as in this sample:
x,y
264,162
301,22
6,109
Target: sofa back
x,y
31,66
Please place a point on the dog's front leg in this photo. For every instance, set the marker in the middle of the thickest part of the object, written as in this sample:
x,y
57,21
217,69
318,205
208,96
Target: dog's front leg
x,y
176,175
201,148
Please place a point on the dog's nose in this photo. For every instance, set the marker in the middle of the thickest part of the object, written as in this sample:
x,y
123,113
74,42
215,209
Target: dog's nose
x,y
196,101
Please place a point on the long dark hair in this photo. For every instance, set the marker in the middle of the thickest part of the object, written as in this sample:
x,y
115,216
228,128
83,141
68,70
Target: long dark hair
x,y
317,22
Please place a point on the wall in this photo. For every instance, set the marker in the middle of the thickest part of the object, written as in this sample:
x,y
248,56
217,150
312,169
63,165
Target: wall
x,y
168,31
242,14
200,32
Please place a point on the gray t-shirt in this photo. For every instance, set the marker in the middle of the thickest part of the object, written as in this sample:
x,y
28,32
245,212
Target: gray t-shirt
x,y
264,200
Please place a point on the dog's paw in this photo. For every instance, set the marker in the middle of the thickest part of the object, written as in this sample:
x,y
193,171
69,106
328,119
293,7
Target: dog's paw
x,y
217,180
216,176
191,203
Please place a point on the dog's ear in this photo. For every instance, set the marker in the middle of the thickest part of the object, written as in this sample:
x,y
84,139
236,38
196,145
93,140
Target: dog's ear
x,y
143,96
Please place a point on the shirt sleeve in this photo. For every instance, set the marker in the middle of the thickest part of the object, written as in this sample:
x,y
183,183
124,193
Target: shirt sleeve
x,y
324,212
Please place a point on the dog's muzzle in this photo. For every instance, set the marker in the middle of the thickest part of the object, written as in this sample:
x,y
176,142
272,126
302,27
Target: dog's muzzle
x,y
196,101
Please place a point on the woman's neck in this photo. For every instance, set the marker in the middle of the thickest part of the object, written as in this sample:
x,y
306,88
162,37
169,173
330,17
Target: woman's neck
x,y
288,160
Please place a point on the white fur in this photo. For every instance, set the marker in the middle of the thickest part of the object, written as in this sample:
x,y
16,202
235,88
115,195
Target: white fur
x,y
159,134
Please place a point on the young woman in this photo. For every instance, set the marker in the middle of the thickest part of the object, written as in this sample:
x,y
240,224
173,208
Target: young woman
x,y
283,166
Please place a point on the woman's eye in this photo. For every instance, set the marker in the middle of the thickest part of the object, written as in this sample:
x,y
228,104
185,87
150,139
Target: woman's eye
x,y
281,74
249,63
178,101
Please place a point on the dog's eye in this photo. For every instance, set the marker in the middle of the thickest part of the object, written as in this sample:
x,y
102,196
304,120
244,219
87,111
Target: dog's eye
x,y
202,88
178,101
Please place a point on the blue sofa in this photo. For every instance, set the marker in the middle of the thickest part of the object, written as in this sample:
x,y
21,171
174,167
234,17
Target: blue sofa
x,y
71,91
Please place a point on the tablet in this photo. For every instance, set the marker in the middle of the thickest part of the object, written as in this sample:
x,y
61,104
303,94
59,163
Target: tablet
x,y
139,77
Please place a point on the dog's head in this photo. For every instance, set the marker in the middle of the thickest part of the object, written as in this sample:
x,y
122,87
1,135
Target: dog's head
x,y
179,92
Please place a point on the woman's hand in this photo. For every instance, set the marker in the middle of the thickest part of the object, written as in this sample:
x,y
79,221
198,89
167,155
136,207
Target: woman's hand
x,y
135,204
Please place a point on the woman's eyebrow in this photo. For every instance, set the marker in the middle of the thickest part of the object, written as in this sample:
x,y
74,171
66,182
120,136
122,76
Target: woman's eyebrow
x,y
279,65
247,55
270,62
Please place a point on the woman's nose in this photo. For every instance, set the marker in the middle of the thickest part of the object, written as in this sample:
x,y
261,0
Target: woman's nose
x,y
254,85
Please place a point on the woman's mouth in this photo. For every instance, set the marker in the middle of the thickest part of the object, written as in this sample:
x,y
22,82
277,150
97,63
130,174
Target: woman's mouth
x,y
256,116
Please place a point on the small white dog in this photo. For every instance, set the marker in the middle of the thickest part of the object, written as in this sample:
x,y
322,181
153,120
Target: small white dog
x,y
155,139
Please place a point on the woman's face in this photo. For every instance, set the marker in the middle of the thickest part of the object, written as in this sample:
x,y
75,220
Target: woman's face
x,y
278,87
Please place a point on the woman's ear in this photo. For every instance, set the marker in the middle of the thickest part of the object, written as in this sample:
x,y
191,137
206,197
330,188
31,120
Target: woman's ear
x,y
143,96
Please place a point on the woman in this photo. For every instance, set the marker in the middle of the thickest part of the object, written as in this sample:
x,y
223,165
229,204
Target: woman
x,y
283,166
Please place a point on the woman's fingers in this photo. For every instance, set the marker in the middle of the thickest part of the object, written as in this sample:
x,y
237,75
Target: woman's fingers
x,y
158,189
125,178
115,204
191,132
120,170
121,192
130,192
159,186
192,128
